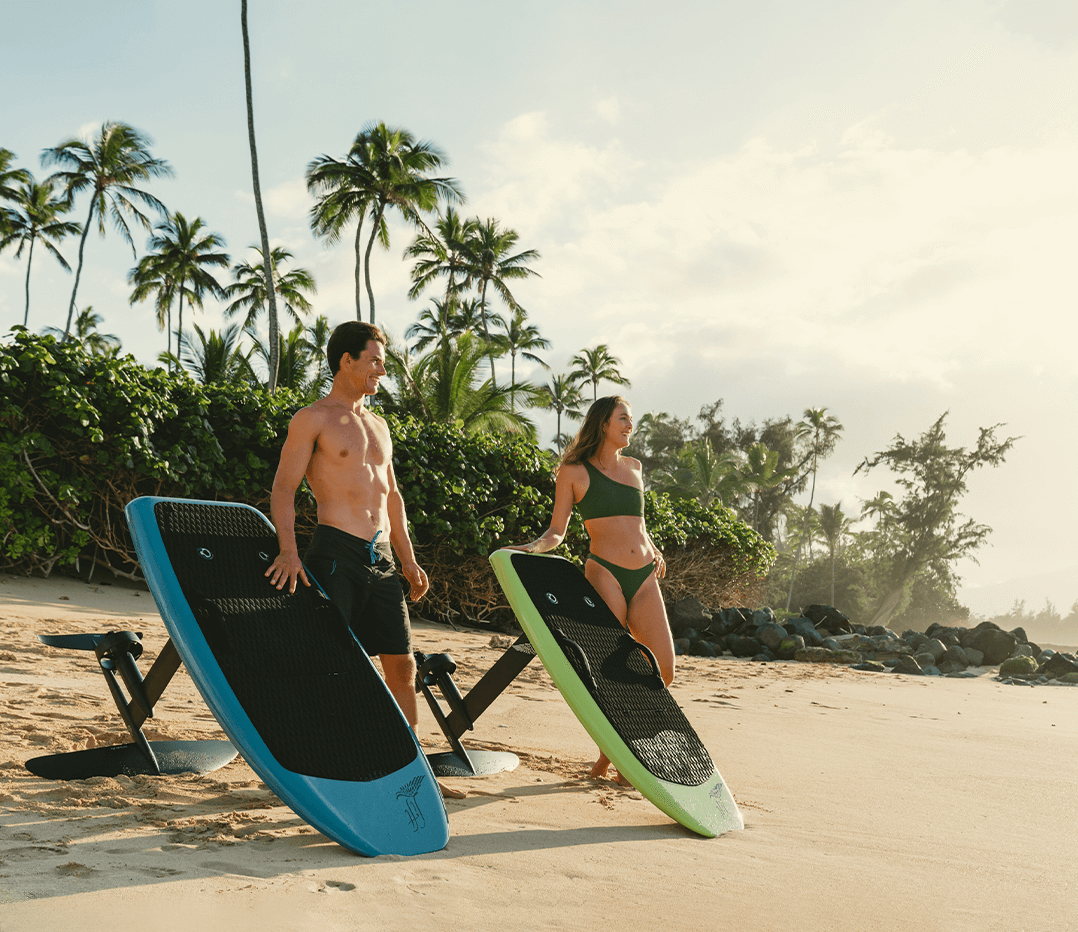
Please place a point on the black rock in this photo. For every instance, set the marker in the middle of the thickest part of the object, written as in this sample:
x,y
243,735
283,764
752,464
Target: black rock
x,y
908,665
1059,665
1020,635
957,655
789,646
915,640
763,616
995,644
770,635
702,648
805,628
871,666
828,616
741,646
688,611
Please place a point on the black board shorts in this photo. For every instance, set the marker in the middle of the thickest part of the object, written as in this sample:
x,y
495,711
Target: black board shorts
x,y
369,594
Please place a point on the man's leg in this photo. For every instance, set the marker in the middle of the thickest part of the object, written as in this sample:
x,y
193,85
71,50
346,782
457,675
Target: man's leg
x,y
400,670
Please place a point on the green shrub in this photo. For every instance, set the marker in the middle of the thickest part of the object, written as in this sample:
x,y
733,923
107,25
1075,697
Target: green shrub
x,y
82,435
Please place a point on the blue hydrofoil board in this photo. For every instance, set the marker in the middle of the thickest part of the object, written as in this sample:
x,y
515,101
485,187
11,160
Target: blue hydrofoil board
x,y
612,683
286,679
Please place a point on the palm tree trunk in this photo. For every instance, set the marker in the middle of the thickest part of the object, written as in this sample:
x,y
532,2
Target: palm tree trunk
x,y
29,261
179,328
274,353
513,382
359,270
367,257
486,330
801,539
78,270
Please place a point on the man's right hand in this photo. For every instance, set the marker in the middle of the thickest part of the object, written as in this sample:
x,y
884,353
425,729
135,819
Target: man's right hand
x,y
287,568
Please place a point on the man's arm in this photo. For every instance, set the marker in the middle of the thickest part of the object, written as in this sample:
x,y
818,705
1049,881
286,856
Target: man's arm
x,y
295,457
402,542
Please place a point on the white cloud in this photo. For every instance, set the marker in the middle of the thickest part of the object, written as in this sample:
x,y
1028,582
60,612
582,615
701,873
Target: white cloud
x,y
912,258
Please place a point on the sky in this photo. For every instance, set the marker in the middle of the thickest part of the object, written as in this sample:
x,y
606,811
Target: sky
x,y
871,208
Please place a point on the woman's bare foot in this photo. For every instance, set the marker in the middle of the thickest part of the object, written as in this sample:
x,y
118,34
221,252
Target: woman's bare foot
x,y
600,767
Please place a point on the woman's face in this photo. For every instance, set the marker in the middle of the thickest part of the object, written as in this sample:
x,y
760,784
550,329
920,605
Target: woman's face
x,y
619,428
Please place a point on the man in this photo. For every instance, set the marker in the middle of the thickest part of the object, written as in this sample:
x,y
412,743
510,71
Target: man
x,y
346,454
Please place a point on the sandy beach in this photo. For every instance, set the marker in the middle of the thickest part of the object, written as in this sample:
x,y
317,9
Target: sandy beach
x,y
871,801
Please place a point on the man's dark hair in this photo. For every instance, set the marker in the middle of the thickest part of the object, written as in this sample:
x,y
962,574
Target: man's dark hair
x,y
352,338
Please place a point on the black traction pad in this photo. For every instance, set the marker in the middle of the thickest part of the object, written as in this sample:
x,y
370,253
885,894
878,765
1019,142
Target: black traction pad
x,y
617,673
301,677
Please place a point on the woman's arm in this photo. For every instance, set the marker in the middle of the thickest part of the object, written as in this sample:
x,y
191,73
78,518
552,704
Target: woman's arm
x,y
564,499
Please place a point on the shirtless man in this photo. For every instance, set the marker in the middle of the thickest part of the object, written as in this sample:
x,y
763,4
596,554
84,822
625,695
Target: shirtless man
x,y
346,454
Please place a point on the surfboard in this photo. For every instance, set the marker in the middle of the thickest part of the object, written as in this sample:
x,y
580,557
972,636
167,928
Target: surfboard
x,y
286,679
612,684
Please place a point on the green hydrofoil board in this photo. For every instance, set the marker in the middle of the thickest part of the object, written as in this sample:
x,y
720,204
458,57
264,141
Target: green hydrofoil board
x,y
612,684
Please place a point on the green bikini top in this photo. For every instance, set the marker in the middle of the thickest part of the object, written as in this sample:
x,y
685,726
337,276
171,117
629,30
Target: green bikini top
x,y
607,498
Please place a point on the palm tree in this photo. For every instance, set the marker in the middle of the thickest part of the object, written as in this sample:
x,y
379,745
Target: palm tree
x,y
249,292
592,365
386,169
109,166
343,188
317,336
562,395
822,429
702,474
468,317
88,336
295,360
177,264
434,324
8,177
270,299
37,216
761,473
401,367
441,253
217,358
833,524
446,381
489,260
521,337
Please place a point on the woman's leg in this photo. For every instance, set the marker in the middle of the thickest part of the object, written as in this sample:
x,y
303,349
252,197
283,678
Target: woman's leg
x,y
647,622
607,587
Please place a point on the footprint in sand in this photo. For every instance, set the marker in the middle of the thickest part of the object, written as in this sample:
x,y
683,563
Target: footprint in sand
x,y
74,869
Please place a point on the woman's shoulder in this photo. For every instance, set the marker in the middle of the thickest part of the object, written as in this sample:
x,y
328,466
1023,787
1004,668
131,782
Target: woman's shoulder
x,y
573,471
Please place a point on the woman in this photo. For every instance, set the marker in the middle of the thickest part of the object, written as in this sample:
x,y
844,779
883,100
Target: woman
x,y
623,564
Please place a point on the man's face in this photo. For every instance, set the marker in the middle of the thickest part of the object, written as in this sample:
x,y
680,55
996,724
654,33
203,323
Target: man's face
x,y
368,369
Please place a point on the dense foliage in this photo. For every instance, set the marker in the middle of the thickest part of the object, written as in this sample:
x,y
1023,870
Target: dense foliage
x,y
81,435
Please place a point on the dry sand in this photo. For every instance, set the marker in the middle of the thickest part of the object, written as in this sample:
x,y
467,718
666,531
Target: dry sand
x,y
871,801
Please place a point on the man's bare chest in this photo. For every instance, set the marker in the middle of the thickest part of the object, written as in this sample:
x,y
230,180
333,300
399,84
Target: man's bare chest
x,y
348,442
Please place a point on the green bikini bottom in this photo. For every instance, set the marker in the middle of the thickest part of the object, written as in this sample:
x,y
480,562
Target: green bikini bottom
x,y
629,580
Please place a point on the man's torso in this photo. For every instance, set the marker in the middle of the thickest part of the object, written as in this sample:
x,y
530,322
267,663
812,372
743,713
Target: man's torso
x,y
349,469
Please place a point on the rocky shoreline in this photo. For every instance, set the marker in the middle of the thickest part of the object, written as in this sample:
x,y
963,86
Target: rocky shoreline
x,y
823,634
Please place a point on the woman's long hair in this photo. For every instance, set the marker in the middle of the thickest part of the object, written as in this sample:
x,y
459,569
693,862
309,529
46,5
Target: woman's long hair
x,y
589,438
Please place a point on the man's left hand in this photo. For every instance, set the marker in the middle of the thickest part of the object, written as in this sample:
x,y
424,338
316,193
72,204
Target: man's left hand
x,y
417,579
